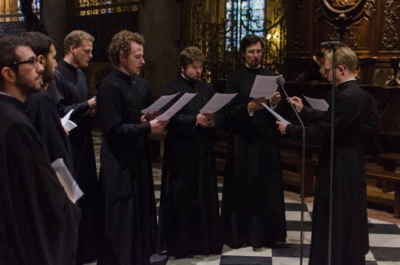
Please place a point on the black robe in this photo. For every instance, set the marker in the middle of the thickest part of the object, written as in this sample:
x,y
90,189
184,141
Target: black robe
x,y
69,90
38,223
356,118
44,116
253,210
189,219
125,173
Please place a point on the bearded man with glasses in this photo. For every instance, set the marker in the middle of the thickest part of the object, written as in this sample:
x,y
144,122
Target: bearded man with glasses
x,y
38,223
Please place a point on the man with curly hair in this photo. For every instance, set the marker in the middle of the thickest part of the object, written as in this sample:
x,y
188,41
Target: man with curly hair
x,y
130,217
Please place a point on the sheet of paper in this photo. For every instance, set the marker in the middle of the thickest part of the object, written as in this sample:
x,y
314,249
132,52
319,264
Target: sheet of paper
x,y
159,103
319,104
277,116
67,181
176,107
217,102
67,123
264,86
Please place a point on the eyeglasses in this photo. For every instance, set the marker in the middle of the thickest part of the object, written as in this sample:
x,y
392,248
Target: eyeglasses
x,y
327,70
33,61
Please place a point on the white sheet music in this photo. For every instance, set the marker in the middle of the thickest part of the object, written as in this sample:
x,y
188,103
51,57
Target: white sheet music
x,y
319,104
159,103
277,116
264,86
67,123
176,107
67,181
217,102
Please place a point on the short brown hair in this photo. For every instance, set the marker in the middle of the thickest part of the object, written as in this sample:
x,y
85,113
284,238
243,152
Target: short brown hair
x,y
121,43
75,38
189,55
250,39
8,55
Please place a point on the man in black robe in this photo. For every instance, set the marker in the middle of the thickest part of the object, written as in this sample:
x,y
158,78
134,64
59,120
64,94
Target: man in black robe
x,y
356,119
38,223
130,217
70,91
42,110
189,220
253,209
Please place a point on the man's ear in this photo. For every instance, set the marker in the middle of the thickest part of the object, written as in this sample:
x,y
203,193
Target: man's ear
x,y
72,48
8,74
122,57
341,68
41,59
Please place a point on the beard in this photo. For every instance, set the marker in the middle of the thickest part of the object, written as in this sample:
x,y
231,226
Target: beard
x,y
47,76
26,88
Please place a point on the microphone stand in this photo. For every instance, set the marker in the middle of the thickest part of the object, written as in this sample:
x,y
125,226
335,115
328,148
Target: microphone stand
x,y
303,155
334,66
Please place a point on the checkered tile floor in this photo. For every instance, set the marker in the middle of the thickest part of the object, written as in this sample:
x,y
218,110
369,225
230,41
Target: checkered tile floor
x,y
384,239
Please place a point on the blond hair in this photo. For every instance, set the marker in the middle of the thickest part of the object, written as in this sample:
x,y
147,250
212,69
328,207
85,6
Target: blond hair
x,y
75,38
344,56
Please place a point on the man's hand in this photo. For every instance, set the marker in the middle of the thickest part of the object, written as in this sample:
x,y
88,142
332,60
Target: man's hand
x,y
92,106
282,126
255,104
275,99
297,102
157,126
151,116
204,120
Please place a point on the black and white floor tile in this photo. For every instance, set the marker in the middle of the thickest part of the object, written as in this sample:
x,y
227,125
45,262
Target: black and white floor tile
x,y
384,239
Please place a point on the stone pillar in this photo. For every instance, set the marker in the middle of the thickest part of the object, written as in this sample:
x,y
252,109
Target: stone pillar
x,y
54,18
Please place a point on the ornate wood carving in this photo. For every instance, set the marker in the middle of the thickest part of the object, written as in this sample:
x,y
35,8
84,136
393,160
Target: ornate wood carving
x,y
296,40
390,40
344,15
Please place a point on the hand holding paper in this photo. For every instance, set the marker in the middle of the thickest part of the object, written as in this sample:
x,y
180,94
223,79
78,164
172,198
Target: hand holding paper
x,y
67,123
263,86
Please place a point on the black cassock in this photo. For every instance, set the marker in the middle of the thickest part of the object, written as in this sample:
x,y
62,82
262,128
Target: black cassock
x,y
69,90
44,116
38,223
356,119
189,210
125,173
253,210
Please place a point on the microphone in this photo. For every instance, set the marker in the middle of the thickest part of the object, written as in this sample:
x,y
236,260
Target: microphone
x,y
280,81
331,43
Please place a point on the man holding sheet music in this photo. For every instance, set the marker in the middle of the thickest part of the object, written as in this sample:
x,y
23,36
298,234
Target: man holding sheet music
x,y
38,223
356,119
253,211
189,221
125,174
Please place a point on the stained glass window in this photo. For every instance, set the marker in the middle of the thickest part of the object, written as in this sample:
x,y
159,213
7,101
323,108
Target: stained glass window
x,y
243,17
11,10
